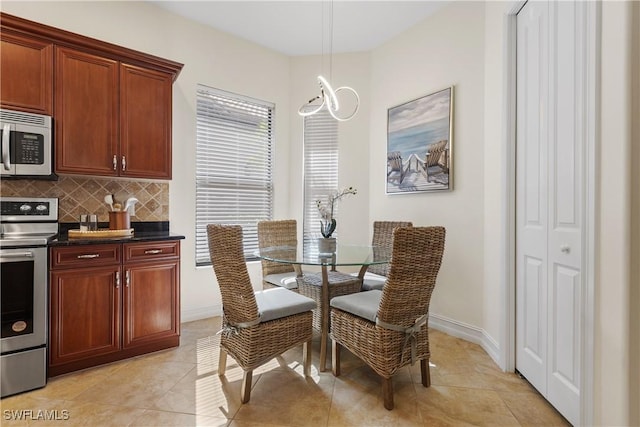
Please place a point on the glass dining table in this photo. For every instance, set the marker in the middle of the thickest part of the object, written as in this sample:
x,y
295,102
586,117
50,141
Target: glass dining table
x,y
345,255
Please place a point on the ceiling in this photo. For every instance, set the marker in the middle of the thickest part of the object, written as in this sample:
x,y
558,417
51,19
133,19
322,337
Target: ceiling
x,y
303,27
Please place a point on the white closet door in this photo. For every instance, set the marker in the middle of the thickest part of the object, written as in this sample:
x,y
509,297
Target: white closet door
x,y
532,191
550,199
566,205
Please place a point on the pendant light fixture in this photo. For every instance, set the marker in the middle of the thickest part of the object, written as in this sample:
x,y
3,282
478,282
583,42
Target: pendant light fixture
x,y
328,97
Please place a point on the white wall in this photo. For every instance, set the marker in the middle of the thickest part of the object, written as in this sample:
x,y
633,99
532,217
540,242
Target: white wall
x,y
613,281
444,50
494,176
634,301
212,58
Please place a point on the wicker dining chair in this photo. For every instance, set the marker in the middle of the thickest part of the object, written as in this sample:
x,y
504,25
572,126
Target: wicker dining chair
x,y
256,327
278,233
376,274
388,329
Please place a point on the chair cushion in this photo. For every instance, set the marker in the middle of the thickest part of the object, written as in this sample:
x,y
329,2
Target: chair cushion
x,y
362,304
276,303
373,284
372,281
285,280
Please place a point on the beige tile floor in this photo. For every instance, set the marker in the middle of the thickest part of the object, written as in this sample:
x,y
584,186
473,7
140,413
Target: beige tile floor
x,y
181,387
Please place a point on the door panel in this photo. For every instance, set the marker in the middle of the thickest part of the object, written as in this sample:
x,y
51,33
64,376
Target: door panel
x,y
550,176
26,66
145,122
86,109
565,293
85,313
151,302
566,175
534,341
531,196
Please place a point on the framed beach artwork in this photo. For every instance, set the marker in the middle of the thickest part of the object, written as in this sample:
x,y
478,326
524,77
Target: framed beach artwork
x,y
419,144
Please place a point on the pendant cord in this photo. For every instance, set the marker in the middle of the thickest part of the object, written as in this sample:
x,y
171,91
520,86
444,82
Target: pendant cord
x,y
322,38
331,41
328,97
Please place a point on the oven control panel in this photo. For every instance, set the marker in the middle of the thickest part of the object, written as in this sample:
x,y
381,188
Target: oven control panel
x,y
28,209
25,208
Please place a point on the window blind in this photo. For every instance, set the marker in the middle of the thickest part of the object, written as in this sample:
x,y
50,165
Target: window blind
x,y
234,184
320,170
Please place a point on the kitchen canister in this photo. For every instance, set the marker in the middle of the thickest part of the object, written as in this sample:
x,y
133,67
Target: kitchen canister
x,y
119,220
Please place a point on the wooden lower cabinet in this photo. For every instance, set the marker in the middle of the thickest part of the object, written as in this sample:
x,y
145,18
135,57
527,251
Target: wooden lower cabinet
x,y
105,306
150,306
85,307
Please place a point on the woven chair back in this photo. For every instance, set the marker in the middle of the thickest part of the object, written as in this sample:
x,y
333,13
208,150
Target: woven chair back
x,y
281,232
383,236
227,256
416,258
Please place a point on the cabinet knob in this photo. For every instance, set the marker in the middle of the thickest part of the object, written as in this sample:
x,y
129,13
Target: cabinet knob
x,y
117,279
126,278
565,249
152,251
115,162
124,164
88,256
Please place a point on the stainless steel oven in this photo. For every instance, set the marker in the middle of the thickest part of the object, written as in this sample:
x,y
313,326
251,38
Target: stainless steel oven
x,y
27,225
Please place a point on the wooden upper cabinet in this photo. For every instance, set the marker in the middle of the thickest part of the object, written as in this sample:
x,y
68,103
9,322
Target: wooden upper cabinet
x,y
114,119
111,105
26,67
86,113
145,122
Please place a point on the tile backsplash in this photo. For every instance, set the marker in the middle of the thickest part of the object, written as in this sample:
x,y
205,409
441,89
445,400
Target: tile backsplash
x,y
79,195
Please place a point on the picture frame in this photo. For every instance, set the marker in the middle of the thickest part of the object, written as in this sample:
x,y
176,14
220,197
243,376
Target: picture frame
x,y
420,144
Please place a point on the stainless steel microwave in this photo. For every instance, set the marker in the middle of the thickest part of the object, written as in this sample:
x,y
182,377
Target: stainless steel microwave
x,y
27,150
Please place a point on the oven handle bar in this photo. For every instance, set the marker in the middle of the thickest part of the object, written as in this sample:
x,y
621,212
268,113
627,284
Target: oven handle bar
x,y
6,159
17,255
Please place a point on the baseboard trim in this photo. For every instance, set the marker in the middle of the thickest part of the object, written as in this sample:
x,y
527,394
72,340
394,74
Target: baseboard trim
x,y
200,313
468,333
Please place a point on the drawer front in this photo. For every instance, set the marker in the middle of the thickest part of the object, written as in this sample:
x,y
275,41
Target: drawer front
x,y
85,256
149,251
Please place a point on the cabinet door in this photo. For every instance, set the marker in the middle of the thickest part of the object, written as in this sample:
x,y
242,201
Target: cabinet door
x,y
26,67
85,307
145,122
151,302
86,111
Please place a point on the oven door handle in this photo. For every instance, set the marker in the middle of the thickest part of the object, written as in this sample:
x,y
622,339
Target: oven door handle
x,y
17,255
6,159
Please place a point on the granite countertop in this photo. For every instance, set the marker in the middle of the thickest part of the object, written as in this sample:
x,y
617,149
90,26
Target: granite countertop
x,y
142,232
